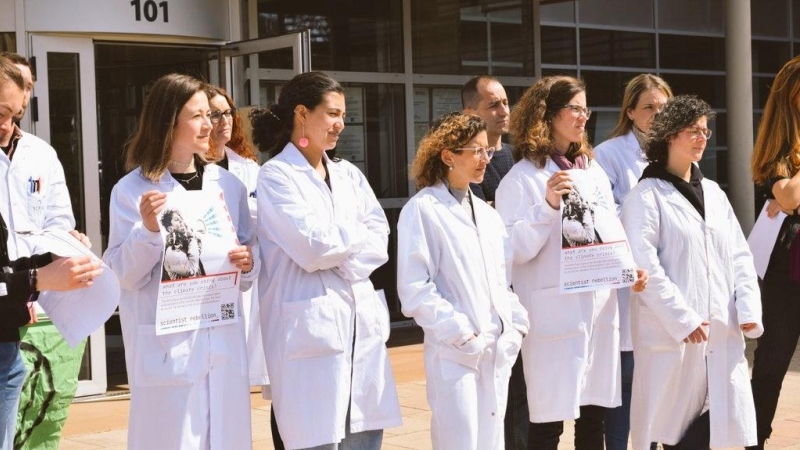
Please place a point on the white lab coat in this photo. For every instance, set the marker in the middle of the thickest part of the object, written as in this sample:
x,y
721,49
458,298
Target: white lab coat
x,y
35,195
623,161
189,390
699,270
571,355
319,247
246,170
452,280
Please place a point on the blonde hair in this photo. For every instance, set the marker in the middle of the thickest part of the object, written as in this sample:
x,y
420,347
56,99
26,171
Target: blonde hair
x,y
777,150
451,131
531,125
637,86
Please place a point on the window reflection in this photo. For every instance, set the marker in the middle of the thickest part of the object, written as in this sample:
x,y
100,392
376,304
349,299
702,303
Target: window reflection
x,y
459,37
357,35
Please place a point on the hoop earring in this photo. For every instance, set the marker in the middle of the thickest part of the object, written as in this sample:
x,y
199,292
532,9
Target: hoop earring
x,y
303,140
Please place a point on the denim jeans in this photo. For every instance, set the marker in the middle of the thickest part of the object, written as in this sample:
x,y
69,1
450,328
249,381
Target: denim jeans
x,y
12,375
618,420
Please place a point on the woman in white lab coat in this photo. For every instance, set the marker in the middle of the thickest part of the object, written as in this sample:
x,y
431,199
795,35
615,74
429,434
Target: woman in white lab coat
x,y
690,386
571,356
452,280
189,389
321,233
232,151
623,160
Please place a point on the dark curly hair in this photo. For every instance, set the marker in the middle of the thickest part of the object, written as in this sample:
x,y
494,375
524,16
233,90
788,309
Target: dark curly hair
x,y
530,124
678,113
451,131
272,127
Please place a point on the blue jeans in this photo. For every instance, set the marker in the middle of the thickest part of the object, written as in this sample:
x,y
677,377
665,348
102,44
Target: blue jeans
x,y
618,420
12,375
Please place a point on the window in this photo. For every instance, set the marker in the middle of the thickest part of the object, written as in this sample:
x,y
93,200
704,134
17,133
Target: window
x,y
617,13
558,45
617,48
691,15
691,52
358,35
770,18
453,37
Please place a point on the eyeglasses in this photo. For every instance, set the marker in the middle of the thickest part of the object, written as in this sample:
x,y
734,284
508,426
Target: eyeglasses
x,y
578,110
216,116
696,132
480,152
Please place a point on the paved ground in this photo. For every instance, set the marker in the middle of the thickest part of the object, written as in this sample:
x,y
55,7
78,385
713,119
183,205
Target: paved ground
x,y
101,424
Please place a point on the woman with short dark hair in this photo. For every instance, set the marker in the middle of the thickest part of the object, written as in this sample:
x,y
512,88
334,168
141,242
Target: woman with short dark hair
x,y
690,386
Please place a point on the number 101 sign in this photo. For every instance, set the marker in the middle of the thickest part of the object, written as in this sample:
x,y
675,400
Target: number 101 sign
x,y
151,10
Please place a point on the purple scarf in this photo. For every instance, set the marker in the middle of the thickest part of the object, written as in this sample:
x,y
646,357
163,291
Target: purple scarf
x,y
564,163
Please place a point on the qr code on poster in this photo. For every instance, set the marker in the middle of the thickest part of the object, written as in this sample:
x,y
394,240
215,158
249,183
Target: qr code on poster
x,y
227,311
628,275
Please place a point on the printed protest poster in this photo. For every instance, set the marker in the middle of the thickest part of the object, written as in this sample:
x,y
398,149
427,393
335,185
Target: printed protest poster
x,y
594,249
199,285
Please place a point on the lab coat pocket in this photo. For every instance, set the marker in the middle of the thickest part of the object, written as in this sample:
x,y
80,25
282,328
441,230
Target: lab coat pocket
x,y
168,360
649,333
460,361
313,327
555,315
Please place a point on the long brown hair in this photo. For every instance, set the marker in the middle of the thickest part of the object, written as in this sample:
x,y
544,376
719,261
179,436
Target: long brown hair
x,y
633,91
238,142
777,149
531,125
150,146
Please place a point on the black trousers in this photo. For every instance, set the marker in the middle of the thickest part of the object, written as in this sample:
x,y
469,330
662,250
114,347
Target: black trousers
x,y
589,429
697,436
276,434
517,418
780,300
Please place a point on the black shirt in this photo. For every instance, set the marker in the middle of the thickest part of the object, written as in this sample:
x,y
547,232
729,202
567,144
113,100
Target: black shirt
x,y
498,167
13,306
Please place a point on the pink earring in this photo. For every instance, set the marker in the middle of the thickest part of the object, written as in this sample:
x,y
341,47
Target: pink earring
x,y
303,140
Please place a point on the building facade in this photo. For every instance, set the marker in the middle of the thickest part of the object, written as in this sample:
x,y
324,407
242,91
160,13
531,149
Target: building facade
x,y
402,63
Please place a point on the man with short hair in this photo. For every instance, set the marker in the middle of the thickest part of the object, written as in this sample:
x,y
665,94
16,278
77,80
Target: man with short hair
x,y
33,198
34,190
485,97
12,369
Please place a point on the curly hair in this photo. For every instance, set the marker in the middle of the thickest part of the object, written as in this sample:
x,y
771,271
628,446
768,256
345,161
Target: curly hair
x,y
777,150
678,113
531,126
451,131
238,142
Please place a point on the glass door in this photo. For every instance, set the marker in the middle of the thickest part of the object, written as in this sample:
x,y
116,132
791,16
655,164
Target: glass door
x,y
64,94
253,71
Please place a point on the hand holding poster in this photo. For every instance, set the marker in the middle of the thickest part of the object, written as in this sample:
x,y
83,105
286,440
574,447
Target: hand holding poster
x,y
594,249
199,285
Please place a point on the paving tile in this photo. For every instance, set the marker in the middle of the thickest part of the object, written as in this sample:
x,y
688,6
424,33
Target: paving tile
x,y
102,425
